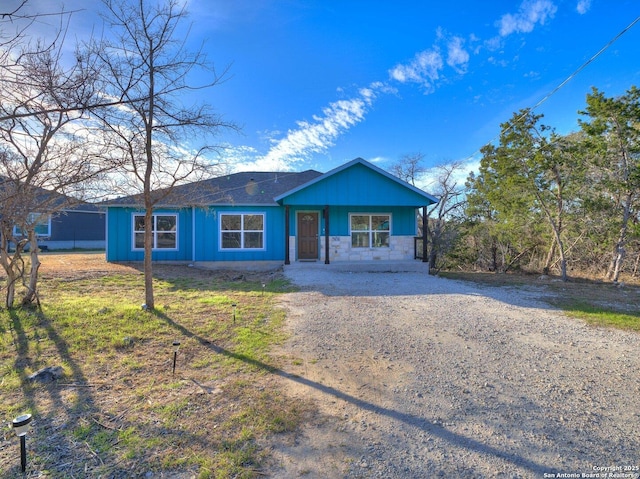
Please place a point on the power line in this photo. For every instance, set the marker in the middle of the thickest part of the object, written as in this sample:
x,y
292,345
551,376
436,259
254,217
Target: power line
x,y
585,64
569,78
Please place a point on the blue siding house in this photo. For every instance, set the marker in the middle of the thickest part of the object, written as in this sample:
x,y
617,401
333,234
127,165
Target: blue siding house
x,y
356,212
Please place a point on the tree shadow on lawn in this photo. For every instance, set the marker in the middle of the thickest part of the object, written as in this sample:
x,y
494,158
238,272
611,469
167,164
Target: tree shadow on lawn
x,y
425,425
51,432
70,426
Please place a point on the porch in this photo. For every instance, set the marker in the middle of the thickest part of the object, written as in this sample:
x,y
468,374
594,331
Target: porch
x,y
382,266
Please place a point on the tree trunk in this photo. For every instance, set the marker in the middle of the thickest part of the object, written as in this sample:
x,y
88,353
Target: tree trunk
x,y
563,266
556,227
11,265
31,293
494,257
550,254
148,200
563,258
12,278
615,267
148,264
635,265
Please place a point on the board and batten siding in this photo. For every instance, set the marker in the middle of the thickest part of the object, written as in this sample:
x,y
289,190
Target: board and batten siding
x,y
120,235
207,234
78,226
355,186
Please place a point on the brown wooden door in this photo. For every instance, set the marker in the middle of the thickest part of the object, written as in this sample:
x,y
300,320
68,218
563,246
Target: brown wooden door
x,y
307,236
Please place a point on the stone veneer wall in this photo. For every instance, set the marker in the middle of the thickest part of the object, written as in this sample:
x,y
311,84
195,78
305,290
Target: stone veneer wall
x,y
401,248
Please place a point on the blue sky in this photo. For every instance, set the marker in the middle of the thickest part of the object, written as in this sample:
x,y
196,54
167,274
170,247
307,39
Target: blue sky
x,y
316,83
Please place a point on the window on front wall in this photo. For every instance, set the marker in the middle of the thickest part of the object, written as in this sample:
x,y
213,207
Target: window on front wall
x,y
370,231
242,231
164,229
39,221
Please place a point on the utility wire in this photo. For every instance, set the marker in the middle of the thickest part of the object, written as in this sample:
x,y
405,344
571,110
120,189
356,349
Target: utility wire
x,y
568,79
585,64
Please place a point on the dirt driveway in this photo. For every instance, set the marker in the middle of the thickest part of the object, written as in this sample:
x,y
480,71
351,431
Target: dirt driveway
x,y
419,377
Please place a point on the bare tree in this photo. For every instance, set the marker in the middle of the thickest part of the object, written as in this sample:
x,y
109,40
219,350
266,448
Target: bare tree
x,y
43,161
440,216
147,65
410,168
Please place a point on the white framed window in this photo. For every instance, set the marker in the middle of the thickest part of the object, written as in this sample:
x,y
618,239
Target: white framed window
x,y
164,228
370,230
242,230
40,221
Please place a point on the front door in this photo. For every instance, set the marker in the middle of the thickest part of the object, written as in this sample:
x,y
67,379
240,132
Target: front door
x,y
307,236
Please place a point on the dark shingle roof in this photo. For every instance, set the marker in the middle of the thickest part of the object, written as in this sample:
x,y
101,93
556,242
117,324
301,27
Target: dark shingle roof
x,y
247,188
41,200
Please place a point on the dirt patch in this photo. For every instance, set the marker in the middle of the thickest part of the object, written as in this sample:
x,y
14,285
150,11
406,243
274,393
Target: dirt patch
x,y
80,265
76,266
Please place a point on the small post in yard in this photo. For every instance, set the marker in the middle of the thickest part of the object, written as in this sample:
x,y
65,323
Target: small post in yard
x,y
264,285
21,426
176,345
234,312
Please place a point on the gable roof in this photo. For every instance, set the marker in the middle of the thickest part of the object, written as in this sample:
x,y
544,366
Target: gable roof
x,y
246,188
368,185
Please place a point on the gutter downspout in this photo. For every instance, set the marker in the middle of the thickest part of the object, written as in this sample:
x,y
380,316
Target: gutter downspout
x,y
287,260
193,234
106,235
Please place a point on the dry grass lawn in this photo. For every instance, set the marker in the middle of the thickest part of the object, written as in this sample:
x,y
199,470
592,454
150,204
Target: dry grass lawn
x,y
119,411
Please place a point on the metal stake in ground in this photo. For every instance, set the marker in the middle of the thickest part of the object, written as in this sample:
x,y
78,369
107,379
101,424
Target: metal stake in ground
x,y
234,312
176,345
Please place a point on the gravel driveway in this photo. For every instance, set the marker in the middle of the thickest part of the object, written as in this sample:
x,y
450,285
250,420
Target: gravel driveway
x,y
417,377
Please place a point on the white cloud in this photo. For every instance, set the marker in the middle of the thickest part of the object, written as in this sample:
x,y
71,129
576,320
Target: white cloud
x,y
378,160
531,13
423,69
457,56
583,6
318,135
493,44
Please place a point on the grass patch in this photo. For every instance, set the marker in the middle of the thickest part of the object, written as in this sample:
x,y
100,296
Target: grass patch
x,y
596,302
600,316
119,411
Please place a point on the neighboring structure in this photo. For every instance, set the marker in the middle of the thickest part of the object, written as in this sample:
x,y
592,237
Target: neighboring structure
x,y
356,212
65,223
81,226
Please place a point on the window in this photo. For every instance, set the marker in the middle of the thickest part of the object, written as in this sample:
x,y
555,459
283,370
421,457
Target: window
x,y
41,222
242,231
164,228
370,231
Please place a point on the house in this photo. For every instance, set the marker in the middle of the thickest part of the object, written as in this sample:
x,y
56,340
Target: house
x,y
61,222
356,212
79,226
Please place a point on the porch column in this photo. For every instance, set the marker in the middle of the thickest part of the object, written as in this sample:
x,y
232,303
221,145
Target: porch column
x,y
286,235
326,234
425,235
